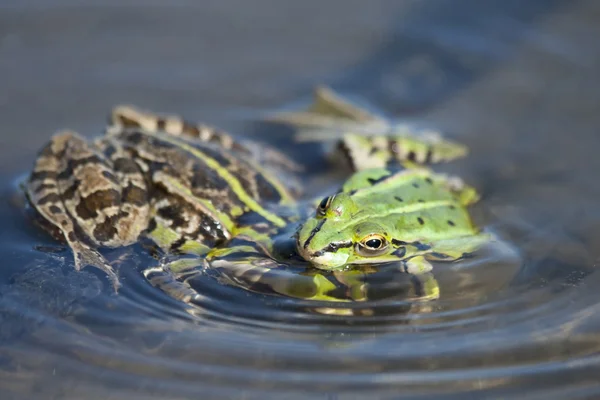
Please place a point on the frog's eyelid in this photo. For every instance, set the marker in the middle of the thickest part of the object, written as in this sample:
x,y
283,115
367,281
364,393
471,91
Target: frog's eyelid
x,y
324,205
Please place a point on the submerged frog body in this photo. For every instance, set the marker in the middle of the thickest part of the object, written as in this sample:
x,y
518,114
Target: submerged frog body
x,y
195,190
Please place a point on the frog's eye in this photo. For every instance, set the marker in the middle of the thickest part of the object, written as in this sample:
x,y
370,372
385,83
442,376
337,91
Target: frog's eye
x,y
323,205
372,246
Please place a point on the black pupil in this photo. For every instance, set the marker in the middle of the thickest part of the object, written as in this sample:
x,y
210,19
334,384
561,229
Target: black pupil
x,y
373,243
323,203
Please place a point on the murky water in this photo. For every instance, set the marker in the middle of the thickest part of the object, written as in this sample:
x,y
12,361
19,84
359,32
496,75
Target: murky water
x,y
516,81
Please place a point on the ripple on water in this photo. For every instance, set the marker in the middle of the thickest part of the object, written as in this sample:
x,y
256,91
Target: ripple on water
x,y
490,332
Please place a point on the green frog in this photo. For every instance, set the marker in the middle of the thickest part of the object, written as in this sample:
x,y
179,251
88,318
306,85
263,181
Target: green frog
x,y
209,201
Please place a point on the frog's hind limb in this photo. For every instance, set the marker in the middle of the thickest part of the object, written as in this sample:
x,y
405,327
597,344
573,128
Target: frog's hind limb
x,y
75,188
409,150
127,117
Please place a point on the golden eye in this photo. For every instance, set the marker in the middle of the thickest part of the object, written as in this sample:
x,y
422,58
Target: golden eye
x,y
323,205
372,246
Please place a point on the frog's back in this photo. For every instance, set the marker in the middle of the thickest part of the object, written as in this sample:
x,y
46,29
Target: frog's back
x,y
417,205
209,159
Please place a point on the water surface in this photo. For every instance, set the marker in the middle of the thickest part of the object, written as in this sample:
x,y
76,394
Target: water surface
x,y
516,81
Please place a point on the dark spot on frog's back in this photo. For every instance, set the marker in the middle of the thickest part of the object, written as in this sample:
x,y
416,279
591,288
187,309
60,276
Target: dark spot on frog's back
x,y
125,166
89,206
73,164
42,175
173,212
451,223
69,193
135,195
43,187
421,221
106,230
49,198
374,181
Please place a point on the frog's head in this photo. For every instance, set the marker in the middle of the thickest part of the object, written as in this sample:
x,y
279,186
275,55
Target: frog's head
x,y
340,234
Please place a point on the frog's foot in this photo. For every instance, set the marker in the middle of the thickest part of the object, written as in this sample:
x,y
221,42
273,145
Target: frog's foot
x,y
85,256
172,278
426,287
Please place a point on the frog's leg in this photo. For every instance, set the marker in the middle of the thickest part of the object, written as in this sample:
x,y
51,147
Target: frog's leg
x,y
181,237
366,140
92,202
411,151
124,117
242,266
426,287
354,281
171,278
247,261
256,273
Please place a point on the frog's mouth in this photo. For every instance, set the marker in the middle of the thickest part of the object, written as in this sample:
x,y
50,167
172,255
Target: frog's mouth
x,y
327,258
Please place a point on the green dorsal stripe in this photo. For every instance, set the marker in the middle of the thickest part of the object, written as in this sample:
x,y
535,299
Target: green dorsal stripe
x,y
231,180
390,212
